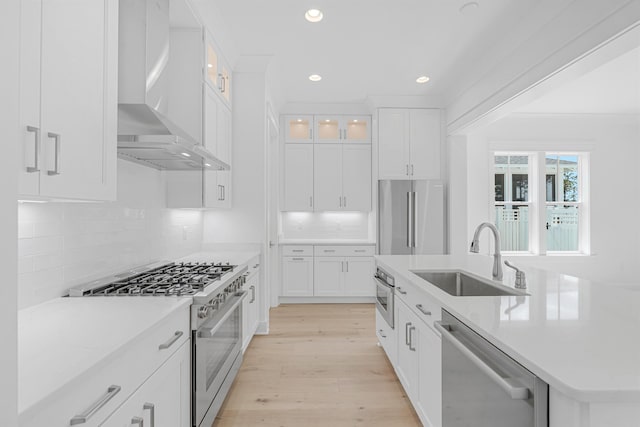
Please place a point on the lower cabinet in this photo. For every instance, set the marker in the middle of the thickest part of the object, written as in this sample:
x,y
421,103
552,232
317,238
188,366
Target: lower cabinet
x,y
327,271
250,303
163,400
387,337
419,364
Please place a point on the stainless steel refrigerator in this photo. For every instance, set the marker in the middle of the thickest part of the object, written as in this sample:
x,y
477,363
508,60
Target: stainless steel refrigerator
x,y
411,217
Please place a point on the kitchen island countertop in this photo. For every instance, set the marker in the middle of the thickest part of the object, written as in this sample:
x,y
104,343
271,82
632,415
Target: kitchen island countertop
x,y
581,337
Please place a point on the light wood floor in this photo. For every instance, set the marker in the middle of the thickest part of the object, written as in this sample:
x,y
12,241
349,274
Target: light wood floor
x,y
320,366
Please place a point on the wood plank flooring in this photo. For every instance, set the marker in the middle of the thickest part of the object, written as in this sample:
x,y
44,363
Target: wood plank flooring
x,y
320,366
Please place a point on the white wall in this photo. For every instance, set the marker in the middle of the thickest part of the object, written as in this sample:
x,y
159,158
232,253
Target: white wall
x,y
65,244
9,128
615,229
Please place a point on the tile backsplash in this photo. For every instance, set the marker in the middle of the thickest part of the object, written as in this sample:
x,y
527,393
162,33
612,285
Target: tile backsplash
x,y
326,225
64,244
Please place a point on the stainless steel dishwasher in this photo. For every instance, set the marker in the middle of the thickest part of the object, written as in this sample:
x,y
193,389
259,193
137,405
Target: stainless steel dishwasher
x,y
482,386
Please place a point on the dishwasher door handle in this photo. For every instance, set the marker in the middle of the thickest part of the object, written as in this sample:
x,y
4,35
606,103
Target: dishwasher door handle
x,y
518,393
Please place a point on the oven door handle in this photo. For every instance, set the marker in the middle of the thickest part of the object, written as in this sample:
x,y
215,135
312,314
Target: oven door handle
x,y
515,392
386,285
219,318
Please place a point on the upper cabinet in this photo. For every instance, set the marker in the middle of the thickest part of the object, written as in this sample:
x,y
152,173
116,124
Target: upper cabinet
x,y
217,72
68,109
298,129
409,145
337,129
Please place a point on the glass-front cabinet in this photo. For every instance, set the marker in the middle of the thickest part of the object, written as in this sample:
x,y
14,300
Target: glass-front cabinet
x,y
217,70
298,129
343,129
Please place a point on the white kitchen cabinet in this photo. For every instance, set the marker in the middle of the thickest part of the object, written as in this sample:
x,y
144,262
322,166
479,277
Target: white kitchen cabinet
x,y
407,365
342,129
387,337
297,276
217,72
69,99
217,139
429,403
298,177
409,143
163,400
328,276
342,177
250,304
359,276
298,129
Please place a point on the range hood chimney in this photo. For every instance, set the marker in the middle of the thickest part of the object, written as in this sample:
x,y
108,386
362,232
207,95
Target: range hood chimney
x,y
145,134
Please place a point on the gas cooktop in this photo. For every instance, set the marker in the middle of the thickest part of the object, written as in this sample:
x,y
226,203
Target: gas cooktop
x,y
172,279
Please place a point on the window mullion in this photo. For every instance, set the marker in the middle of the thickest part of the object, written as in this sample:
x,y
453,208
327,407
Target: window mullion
x,y
539,198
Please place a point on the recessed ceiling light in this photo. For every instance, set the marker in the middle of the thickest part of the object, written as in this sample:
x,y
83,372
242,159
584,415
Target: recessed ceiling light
x,y
210,65
313,15
422,79
469,8
186,154
315,77
355,120
208,165
327,121
299,120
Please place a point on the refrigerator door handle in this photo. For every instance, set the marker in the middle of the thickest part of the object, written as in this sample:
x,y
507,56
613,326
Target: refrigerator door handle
x,y
414,231
410,212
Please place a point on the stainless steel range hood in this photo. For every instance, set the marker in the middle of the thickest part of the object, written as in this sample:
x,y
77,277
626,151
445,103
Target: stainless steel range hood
x,y
145,134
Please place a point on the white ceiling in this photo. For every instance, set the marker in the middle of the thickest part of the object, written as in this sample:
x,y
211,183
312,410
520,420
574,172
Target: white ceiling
x,y
613,88
367,47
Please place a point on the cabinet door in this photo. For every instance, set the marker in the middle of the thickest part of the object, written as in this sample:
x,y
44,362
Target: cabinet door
x,y
425,144
393,143
328,129
430,383
30,33
165,396
224,153
359,277
356,129
297,276
407,367
387,338
212,70
328,276
356,177
327,173
298,177
79,98
298,129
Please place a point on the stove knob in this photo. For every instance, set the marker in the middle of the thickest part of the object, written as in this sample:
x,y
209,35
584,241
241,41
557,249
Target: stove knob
x,y
203,312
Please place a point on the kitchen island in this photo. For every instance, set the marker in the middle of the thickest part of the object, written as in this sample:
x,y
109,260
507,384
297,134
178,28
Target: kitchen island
x,y
581,337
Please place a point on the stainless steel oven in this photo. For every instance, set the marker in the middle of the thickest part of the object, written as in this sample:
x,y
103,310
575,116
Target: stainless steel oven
x,y
482,386
385,284
217,353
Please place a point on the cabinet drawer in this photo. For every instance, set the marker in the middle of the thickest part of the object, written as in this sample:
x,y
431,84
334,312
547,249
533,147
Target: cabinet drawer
x,y
343,250
297,250
425,307
105,387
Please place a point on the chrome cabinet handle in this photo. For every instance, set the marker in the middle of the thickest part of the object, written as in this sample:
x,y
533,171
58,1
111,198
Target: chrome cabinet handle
x,y
137,421
36,157
411,347
152,412
298,259
253,294
220,80
169,343
406,334
310,201
409,219
84,417
56,139
407,172
382,333
345,201
224,192
296,250
327,251
340,201
401,291
421,308
341,266
347,264
411,169
516,393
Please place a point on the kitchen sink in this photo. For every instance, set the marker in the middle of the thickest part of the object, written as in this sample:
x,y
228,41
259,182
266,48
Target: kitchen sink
x,y
461,284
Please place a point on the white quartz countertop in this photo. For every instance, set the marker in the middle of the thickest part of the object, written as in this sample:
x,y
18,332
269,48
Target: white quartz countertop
x,y
63,338
581,337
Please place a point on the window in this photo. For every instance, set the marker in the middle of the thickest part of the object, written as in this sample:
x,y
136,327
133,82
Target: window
x,y
538,202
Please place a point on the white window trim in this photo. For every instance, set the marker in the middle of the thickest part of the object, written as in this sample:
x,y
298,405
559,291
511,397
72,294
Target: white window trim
x,y
538,199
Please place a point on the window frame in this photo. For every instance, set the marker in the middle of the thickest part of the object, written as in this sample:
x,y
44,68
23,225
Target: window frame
x,y
537,203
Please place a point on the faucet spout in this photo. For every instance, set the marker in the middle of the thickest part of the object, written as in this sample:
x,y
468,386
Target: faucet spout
x,y
497,256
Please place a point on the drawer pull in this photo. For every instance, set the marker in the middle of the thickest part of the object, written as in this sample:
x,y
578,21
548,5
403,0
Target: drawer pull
x,y
401,291
169,343
137,421
295,250
298,259
425,312
382,333
84,417
152,413
326,251
253,294
360,250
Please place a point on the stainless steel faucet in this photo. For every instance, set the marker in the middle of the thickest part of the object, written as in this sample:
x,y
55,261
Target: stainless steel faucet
x,y
497,257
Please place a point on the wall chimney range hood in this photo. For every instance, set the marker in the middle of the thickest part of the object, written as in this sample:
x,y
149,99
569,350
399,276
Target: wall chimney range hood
x,y
146,135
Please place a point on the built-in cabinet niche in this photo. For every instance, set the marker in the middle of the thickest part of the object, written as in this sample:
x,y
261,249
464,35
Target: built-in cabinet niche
x,y
68,99
327,163
204,106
